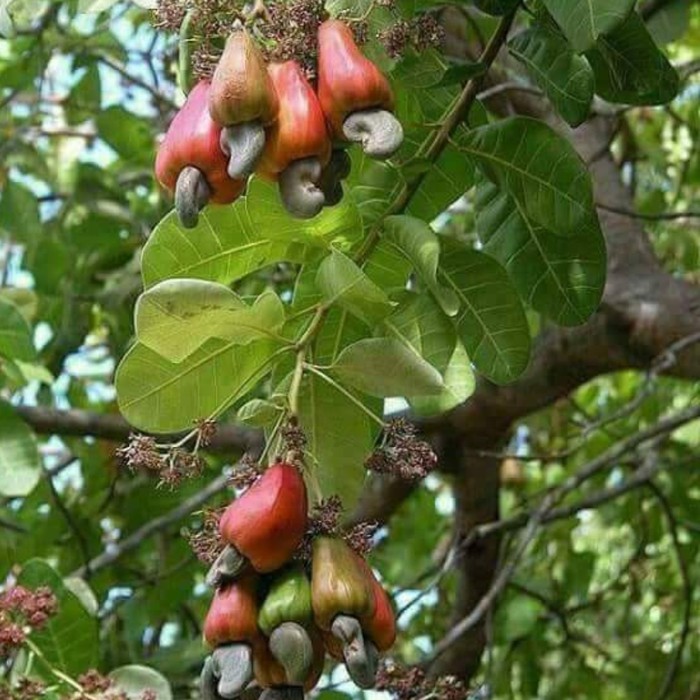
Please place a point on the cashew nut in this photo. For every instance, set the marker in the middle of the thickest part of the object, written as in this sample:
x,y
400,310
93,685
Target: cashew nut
x,y
233,666
208,681
226,566
192,193
243,144
299,188
378,131
361,656
291,645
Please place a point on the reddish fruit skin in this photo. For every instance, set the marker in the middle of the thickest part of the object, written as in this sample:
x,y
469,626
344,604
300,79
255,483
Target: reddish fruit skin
x,y
269,672
347,80
267,523
233,614
380,627
241,89
193,139
338,584
300,130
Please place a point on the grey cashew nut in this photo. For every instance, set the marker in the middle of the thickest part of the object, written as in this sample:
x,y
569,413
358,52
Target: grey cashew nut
x,y
226,567
232,665
208,681
192,192
361,656
299,189
291,645
243,144
333,174
377,130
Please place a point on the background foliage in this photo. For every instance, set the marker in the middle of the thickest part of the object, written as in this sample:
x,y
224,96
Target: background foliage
x,y
601,603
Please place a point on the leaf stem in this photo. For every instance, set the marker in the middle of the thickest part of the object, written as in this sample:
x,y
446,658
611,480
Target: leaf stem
x,y
322,375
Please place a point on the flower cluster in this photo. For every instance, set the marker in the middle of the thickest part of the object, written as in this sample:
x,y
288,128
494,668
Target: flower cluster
x,y
25,689
93,683
206,542
402,454
22,610
172,464
421,33
411,683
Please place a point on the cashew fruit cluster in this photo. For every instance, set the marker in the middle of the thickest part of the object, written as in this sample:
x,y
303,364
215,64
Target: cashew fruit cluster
x,y
273,618
269,120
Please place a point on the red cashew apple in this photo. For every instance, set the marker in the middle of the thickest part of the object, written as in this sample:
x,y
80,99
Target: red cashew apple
x,y
297,145
243,101
380,626
190,162
354,94
265,526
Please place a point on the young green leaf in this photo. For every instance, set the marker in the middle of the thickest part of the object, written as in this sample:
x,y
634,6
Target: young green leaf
x,y
566,77
224,247
385,367
20,463
15,333
421,324
341,281
540,169
340,436
492,324
583,21
178,316
630,68
419,243
150,389
562,278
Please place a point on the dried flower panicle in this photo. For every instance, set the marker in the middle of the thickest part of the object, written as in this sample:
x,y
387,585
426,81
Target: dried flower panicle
x,y
361,536
246,473
206,542
93,683
206,430
21,610
402,454
291,28
411,683
172,464
293,438
168,15
421,33
324,520
25,689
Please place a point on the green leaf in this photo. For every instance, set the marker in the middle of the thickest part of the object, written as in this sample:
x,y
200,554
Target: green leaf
x,y
630,68
583,21
258,413
20,462
372,185
340,225
68,640
134,680
340,437
178,316
670,22
150,389
566,77
492,323
15,333
224,247
130,136
420,324
497,7
385,367
85,98
19,214
449,178
419,243
562,278
341,281
540,169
